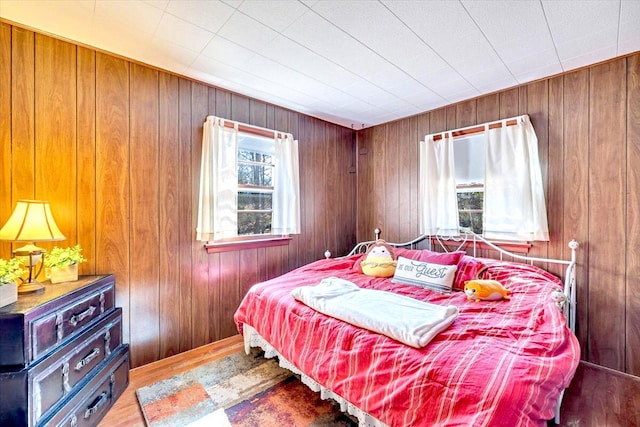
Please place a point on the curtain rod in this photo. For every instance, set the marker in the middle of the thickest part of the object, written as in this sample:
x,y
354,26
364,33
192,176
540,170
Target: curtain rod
x,y
257,130
474,129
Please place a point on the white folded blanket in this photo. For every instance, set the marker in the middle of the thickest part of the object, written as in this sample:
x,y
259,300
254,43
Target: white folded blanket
x,y
405,319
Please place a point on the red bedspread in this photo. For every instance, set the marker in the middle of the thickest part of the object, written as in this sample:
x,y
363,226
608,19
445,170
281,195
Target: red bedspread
x,y
501,363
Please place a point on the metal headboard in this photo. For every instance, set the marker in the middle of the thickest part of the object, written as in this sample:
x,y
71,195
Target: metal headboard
x,y
362,247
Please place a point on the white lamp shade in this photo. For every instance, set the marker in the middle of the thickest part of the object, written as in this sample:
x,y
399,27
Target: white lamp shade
x,y
31,221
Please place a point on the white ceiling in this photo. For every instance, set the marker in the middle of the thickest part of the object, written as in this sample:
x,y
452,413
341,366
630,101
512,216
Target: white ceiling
x,y
352,62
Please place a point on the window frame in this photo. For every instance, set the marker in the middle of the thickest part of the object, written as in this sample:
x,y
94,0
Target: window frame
x,y
522,246
249,188
474,188
251,241
470,186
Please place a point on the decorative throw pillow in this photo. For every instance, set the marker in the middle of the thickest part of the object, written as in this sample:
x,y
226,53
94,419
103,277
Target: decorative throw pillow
x,y
357,268
408,253
437,277
444,258
469,268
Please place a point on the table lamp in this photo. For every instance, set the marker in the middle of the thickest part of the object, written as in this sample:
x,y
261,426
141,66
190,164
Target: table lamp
x,y
31,221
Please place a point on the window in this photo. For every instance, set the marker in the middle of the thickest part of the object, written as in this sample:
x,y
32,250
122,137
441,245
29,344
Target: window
x,y
255,184
249,185
469,166
488,179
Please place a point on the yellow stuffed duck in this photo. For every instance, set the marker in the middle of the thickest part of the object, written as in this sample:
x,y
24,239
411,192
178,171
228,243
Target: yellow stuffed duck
x,y
486,290
379,260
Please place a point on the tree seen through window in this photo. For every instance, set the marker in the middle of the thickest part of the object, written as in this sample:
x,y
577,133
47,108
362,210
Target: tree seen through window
x,y
255,192
469,166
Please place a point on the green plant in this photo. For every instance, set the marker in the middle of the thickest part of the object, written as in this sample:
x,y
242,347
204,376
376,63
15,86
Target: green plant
x,y
62,257
10,270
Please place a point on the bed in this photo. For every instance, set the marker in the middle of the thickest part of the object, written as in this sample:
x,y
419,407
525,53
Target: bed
x,y
500,363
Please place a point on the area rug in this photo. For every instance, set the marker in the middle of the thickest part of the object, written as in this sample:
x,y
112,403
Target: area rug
x,y
239,391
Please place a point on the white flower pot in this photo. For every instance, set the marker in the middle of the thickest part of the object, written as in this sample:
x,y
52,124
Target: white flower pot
x,y
8,293
63,274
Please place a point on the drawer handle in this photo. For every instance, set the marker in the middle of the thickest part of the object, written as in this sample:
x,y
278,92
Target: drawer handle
x,y
59,328
65,377
77,318
87,359
107,343
95,406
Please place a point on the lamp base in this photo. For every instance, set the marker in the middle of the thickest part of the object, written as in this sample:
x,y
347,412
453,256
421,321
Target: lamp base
x,y
30,255
30,287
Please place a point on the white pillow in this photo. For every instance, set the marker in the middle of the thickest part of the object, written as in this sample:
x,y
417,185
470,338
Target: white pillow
x,y
425,275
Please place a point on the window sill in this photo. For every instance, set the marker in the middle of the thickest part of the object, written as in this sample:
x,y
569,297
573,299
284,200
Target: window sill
x,y
238,245
515,247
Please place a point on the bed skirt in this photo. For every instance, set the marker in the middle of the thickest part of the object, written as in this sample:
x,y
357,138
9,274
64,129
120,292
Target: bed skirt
x,y
253,339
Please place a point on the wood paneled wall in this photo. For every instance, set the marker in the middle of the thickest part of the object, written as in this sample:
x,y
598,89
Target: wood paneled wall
x,y
588,128
115,147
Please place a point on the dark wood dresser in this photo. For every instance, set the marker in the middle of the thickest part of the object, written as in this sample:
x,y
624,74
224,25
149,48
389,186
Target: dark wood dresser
x,y
62,360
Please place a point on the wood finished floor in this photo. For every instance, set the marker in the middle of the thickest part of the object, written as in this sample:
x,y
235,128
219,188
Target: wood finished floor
x,y
597,397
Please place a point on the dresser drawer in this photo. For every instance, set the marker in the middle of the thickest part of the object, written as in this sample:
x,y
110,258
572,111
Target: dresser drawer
x,y
62,359
49,331
39,323
89,405
56,377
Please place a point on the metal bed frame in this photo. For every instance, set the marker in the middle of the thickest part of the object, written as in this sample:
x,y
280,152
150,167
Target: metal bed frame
x,y
468,237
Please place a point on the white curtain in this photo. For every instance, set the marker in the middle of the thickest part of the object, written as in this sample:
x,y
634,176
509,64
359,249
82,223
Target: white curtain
x,y
217,203
438,207
286,187
514,206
